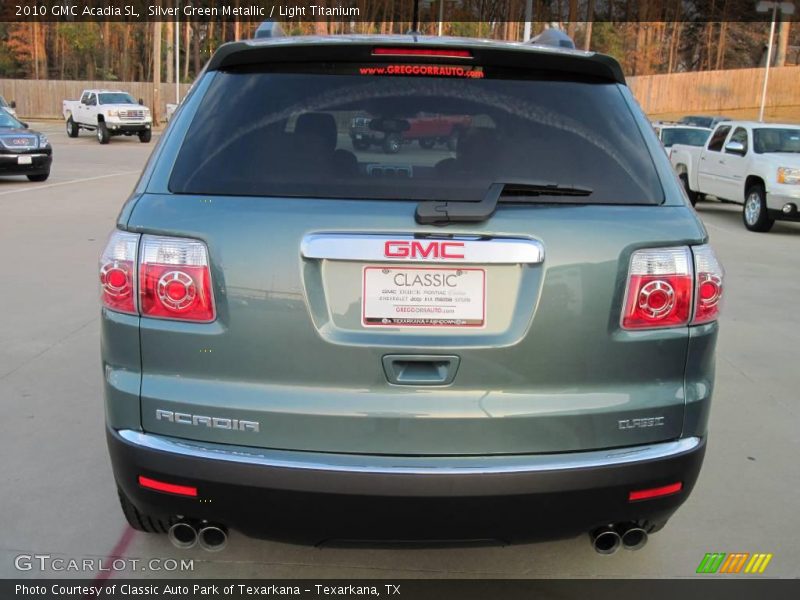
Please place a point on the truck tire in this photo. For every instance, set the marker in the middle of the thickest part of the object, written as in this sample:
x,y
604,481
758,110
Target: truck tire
x,y
754,212
427,143
391,144
140,521
145,136
693,196
102,133
39,177
72,128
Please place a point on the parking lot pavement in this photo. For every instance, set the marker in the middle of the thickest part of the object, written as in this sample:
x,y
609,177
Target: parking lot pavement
x,y
57,496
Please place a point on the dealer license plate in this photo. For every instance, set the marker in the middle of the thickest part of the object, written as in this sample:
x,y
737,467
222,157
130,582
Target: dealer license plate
x,y
423,297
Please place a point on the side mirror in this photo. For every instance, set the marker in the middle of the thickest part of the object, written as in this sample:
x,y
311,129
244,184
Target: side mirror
x,y
141,101
735,148
24,125
12,104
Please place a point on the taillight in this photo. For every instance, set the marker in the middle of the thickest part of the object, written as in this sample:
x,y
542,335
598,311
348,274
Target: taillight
x,y
175,279
118,272
660,286
708,286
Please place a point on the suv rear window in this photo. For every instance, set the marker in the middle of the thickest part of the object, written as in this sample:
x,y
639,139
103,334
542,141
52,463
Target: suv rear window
x,y
360,135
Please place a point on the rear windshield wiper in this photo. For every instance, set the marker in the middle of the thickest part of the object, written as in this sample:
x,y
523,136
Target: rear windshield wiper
x,y
434,212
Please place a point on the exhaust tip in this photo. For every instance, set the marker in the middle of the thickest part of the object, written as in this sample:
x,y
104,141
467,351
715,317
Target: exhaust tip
x,y
634,538
213,538
182,535
605,540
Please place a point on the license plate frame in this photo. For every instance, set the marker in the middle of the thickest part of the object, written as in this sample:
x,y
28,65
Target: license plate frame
x,y
468,313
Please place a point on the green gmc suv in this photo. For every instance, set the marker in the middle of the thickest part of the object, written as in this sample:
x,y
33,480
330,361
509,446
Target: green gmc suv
x,y
507,337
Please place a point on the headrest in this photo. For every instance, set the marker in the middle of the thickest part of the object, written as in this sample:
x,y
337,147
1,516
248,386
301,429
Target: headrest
x,y
321,125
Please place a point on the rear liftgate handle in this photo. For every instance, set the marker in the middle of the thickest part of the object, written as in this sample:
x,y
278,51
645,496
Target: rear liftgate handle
x,y
420,369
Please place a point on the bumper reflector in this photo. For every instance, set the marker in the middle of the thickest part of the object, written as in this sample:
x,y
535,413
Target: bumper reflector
x,y
170,488
651,493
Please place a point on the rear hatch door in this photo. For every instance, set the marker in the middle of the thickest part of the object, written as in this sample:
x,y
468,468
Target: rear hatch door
x,y
346,325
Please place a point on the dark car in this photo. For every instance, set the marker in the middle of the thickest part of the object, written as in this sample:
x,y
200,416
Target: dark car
x,y
23,151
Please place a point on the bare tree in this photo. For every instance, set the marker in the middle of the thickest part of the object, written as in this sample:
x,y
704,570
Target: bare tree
x,y
587,38
572,17
783,42
156,69
170,34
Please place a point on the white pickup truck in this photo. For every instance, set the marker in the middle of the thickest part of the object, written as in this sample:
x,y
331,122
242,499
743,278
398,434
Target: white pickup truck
x,y
750,163
108,113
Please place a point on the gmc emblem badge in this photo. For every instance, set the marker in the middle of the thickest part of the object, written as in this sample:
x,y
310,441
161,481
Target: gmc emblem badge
x,y
417,249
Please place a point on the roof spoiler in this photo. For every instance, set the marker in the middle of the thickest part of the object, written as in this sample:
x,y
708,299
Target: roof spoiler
x,y
334,49
269,29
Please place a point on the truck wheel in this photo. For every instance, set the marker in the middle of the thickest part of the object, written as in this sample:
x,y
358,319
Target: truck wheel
x,y
693,196
391,145
145,136
102,133
140,521
39,177
72,128
754,211
427,143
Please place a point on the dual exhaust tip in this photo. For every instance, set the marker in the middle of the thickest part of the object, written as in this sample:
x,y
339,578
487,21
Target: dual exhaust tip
x,y
213,537
210,537
607,540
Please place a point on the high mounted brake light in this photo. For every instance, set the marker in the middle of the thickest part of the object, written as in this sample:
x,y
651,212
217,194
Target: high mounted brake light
x,y
169,278
437,52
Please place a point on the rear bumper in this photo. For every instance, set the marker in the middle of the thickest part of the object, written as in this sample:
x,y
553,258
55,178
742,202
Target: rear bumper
x,y
310,497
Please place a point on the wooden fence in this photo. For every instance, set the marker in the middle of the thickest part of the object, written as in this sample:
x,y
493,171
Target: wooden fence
x,y
712,91
706,91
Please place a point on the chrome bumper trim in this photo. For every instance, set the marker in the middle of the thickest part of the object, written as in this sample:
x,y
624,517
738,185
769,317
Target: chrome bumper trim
x,y
429,249
411,465
14,157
